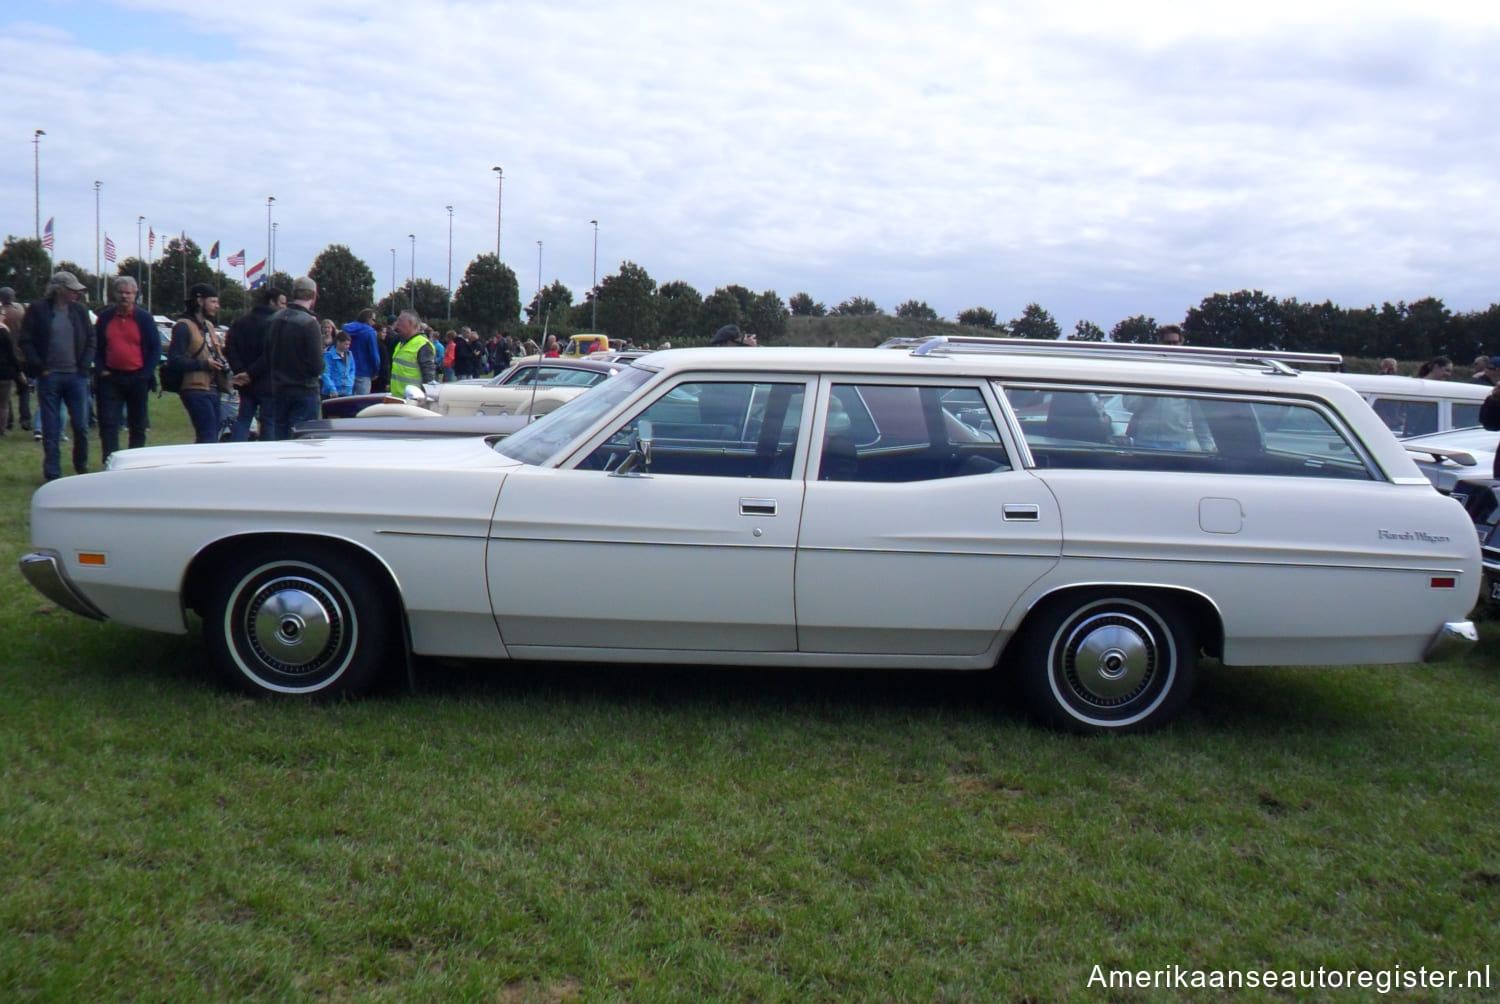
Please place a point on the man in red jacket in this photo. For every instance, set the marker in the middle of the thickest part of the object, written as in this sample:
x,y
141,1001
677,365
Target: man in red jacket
x,y
128,350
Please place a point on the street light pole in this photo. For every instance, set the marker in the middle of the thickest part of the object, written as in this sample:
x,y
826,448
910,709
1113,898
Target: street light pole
x,y
98,271
36,169
450,262
269,199
393,280
538,277
499,201
275,233
595,325
412,289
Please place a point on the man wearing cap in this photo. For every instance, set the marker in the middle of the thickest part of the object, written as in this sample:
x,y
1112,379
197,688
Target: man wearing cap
x,y
196,352
57,342
11,316
294,356
128,350
730,334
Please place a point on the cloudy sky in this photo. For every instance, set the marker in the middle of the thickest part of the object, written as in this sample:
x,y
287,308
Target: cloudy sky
x,y
1102,159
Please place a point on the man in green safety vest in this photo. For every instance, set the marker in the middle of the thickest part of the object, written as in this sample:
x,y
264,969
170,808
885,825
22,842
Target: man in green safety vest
x,y
414,362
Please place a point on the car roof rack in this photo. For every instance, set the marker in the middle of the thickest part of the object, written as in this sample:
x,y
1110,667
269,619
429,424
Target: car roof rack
x,y
1272,359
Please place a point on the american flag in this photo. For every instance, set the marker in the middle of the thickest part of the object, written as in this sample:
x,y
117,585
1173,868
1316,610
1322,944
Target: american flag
x,y
109,249
47,234
151,241
236,260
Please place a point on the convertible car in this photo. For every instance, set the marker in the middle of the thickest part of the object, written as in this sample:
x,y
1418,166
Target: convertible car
x,y
1083,522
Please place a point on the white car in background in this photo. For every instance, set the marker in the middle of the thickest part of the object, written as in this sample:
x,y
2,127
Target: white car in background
x,y
964,505
1412,407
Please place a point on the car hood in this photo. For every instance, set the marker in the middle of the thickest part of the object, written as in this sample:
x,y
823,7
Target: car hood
x,y
390,454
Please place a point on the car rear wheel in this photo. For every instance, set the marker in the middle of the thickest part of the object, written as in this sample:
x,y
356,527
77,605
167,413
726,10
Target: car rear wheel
x,y
301,621
1108,662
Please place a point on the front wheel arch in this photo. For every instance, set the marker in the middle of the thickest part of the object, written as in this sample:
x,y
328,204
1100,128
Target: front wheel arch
x,y
349,576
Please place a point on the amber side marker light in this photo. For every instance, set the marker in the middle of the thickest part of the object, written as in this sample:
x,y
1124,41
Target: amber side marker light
x,y
91,558
1437,582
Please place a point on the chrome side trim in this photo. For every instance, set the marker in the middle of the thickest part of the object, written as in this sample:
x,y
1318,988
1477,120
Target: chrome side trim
x,y
1452,640
43,569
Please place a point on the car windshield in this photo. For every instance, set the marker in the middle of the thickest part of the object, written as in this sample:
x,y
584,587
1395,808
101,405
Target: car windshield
x,y
546,436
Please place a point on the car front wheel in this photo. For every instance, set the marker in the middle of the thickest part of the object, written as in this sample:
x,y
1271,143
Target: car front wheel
x,y
298,620
1101,663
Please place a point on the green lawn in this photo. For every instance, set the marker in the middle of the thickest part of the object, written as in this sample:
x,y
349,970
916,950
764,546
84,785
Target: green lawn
x,y
599,833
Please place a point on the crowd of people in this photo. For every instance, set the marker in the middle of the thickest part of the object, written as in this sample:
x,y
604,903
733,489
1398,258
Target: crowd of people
x,y
279,361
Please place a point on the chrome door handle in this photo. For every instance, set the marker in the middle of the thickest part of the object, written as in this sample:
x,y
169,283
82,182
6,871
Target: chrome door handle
x,y
757,507
1029,512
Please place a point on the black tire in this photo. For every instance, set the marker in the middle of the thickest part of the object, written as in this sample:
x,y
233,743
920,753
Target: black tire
x,y
1107,662
299,620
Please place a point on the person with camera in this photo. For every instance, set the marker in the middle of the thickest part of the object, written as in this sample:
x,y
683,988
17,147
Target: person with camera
x,y
195,362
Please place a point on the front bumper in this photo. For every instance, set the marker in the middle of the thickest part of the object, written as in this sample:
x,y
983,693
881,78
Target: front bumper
x,y
43,569
1452,640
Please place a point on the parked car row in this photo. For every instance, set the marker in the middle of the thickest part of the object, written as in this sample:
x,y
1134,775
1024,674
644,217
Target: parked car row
x,y
1084,523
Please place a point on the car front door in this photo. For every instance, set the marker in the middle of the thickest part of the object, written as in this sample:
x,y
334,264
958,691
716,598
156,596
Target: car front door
x,y
918,532
693,553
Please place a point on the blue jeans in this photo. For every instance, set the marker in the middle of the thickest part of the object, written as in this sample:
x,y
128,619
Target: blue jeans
x,y
250,404
203,411
361,385
290,409
56,390
123,401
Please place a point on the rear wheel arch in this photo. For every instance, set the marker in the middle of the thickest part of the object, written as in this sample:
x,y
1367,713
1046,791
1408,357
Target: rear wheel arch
x,y
1108,658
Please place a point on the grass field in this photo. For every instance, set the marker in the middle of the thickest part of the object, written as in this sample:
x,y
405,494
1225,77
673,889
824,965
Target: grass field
x,y
534,833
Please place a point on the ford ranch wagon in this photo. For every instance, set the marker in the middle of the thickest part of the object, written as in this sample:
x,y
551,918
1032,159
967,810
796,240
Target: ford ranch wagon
x,y
1085,522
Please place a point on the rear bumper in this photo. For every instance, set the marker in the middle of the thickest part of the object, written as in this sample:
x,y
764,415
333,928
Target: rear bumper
x,y
43,569
1452,640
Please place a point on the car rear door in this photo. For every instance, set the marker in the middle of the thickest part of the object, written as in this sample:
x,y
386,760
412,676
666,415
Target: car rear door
x,y
918,532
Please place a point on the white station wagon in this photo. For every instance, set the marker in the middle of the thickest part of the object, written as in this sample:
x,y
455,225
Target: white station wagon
x,y
1084,520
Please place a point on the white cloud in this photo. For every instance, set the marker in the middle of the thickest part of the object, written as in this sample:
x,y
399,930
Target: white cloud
x,y
1102,159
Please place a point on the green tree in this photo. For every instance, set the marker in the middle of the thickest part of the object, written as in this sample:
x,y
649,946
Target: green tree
x,y
978,317
24,267
679,311
1137,330
1035,322
490,295
1087,331
802,305
181,265
345,283
628,304
857,306
768,316
551,306
720,308
913,310
1247,319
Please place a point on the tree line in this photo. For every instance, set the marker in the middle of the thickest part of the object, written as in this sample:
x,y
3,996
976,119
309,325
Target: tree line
x,y
629,303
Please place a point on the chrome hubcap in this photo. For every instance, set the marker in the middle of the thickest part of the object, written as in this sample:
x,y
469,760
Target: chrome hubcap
x,y
293,624
1109,658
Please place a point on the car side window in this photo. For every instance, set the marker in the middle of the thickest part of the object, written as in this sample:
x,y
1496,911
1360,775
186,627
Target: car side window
x,y
1176,432
732,429
892,434
1406,417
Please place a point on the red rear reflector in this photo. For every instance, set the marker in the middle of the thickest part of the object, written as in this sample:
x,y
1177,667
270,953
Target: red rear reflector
x,y
1439,582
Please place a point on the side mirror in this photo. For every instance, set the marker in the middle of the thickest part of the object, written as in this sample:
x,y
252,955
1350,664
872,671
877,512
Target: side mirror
x,y
637,462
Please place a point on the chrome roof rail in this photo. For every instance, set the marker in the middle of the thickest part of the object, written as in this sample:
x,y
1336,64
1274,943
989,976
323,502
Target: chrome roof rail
x,y
1272,359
